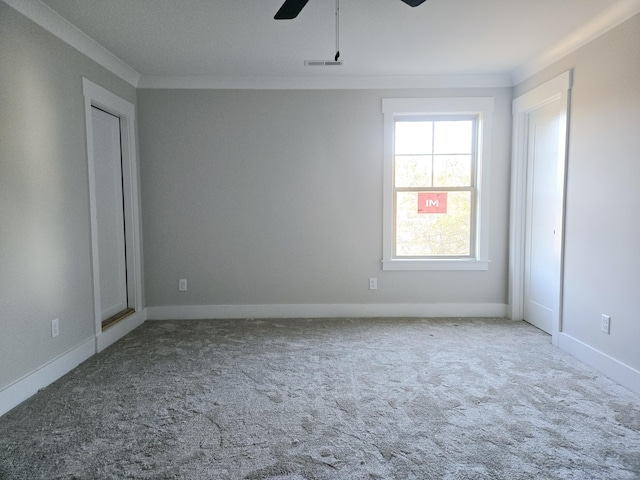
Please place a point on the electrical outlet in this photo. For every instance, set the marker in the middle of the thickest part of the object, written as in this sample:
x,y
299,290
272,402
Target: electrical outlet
x,y
182,285
373,283
55,328
605,323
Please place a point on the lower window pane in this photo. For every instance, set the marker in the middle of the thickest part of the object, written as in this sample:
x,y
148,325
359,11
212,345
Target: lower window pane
x,y
433,224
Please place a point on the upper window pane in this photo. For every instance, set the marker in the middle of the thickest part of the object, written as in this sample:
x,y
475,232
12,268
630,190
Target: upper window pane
x,y
452,171
453,137
413,138
413,171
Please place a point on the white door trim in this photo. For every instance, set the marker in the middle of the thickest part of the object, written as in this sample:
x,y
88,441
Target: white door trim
x,y
557,89
95,95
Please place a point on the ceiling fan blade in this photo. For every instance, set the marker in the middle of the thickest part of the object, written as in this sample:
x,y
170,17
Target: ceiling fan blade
x,y
290,9
413,3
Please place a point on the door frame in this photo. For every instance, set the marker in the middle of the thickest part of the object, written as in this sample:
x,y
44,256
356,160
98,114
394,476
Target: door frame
x,y
557,89
97,96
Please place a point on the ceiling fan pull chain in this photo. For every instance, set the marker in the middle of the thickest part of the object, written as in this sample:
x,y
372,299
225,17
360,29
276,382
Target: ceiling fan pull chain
x,y
337,30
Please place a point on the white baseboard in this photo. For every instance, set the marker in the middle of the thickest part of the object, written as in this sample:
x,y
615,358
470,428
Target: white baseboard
x,y
617,371
120,329
28,385
192,312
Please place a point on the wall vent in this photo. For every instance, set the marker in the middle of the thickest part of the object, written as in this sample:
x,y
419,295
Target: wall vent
x,y
323,63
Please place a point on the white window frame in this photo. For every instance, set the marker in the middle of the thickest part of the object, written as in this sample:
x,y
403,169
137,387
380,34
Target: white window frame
x,y
393,108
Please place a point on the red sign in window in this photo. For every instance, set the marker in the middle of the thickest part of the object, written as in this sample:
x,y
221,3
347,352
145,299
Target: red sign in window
x,y
432,202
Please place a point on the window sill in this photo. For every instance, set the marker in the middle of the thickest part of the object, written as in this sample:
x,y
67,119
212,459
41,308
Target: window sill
x,y
399,264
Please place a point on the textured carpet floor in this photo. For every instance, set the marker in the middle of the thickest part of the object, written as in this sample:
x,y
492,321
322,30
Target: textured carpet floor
x,y
327,399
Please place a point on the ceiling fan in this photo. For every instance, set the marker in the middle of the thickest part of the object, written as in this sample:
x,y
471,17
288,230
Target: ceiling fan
x,y
291,8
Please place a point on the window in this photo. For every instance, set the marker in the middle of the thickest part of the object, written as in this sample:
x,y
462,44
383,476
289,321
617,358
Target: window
x,y
435,193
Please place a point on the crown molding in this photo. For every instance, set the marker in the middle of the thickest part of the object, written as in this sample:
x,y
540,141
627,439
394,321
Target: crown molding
x,y
610,18
69,33
325,82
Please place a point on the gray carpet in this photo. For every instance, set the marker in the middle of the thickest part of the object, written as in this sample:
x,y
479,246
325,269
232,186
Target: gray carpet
x,y
327,399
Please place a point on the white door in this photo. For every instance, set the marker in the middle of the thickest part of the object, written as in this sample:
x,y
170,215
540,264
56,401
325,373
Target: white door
x,y
543,200
112,262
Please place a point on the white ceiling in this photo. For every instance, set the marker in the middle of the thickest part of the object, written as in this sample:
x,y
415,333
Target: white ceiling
x,y
240,39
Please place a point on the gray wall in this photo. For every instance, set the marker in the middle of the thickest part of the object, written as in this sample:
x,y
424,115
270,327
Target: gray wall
x,y
602,269
275,197
45,269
